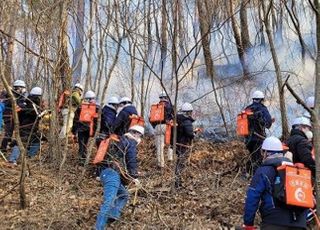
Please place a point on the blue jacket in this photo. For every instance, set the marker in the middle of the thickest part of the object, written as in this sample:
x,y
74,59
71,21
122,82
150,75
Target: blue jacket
x,y
20,99
108,117
124,153
259,195
2,108
122,122
260,121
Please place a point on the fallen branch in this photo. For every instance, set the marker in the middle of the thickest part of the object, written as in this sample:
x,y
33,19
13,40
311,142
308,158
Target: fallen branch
x,y
16,185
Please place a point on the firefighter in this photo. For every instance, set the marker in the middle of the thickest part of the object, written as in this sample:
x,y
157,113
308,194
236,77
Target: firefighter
x,y
122,121
67,112
119,168
300,143
108,116
160,129
274,214
185,135
260,121
19,92
29,117
85,129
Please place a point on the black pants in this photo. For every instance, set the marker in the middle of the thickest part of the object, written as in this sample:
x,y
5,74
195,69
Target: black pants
x,y
182,157
255,160
83,139
8,131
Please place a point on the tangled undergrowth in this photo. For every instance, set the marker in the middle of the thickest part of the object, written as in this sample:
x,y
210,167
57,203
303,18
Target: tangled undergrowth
x,y
212,197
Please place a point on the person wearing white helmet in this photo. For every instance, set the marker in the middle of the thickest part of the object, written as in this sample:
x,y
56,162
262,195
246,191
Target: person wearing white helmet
x,y
121,160
70,104
300,142
258,123
85,123
108,115
29,125
20,94
160,129
185,135
122,121
274,213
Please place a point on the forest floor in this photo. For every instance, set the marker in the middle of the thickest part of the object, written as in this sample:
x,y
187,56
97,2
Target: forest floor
x,y
212,197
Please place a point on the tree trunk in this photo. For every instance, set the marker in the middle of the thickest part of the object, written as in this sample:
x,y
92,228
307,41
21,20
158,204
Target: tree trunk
x,y
237,38
245,38
316,112
79,46
283,110
63,67
164,35
204,30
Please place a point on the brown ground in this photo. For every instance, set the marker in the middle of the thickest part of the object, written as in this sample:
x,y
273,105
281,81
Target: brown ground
x,y
213,196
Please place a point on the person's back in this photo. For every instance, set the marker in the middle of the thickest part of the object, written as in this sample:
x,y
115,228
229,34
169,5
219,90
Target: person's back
x,y
160,127
118,168
108,116
122,122
28,126
28,116
85,123
19,92
260,121
185,133
300,145
68,109
275,214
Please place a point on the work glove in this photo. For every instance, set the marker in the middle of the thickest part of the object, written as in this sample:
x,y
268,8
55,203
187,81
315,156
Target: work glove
x,y
248,227
137,183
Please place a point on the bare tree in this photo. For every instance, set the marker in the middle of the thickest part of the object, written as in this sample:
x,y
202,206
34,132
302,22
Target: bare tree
x,y
283,110
79,44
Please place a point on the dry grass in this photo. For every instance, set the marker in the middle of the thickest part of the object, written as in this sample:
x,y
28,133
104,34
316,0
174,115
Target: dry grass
x,y
213,196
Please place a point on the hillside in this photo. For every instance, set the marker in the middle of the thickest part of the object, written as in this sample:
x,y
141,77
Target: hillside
x,y
213,195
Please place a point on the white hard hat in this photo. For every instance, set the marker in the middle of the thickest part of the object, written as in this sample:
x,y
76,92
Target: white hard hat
x,y
79,86
89,94
310,102
257,95
113,100
125,99
186,107
272,144
162,94
19,83
36,91
137,128
302,121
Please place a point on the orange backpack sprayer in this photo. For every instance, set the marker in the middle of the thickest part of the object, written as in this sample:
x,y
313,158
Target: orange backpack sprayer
x,y
243,128
293,185
87,114
136,120
157,113
63,99
103,148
